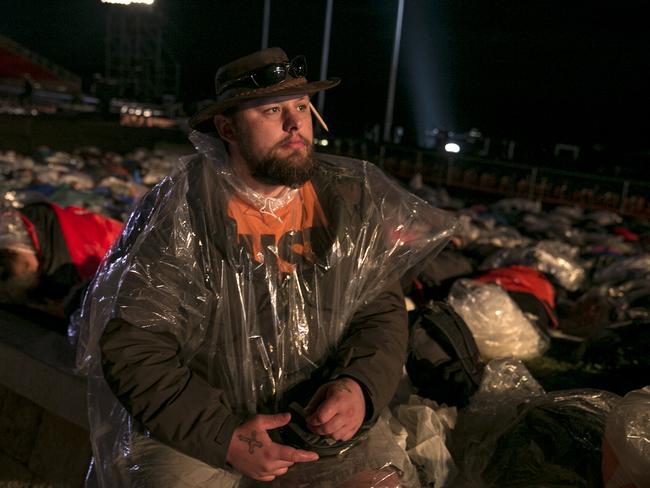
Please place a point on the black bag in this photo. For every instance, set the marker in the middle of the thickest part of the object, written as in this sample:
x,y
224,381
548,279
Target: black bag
x,y
443,361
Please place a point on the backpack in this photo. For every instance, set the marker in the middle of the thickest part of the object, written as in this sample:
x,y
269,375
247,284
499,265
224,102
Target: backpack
x,y
443,361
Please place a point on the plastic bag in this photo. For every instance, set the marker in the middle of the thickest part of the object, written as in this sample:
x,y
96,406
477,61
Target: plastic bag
x,y
626,447
498,325
513,434
554,227
13,232
604,218
467,231
502,237
253,319
425,428
517,205
554,258
632,268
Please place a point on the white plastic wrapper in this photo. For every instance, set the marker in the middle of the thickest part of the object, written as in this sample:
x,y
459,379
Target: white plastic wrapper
x,y
626,449
505,385
574,213
467,231
424,428
517,205
254,320
555,258
13,233
514,434
637,267
498,325
502,237
604,218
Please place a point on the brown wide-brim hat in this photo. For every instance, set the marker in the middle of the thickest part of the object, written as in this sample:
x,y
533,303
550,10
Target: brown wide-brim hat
x,y
241,91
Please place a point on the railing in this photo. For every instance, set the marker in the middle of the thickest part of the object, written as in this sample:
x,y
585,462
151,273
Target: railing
x,y
503,178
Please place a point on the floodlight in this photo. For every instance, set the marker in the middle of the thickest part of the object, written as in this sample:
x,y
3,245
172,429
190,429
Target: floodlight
x,y
452,147
129,2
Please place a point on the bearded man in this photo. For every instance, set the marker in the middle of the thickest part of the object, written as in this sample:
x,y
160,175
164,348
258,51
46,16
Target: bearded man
x,y
250,321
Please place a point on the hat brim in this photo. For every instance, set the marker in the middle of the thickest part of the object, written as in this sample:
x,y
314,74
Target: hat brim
x,y
202,121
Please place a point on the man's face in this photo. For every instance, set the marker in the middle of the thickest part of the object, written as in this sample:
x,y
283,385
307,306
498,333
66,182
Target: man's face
x,y
23,277
274,136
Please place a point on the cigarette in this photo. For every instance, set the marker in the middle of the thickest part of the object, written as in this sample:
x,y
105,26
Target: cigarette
x,y
318,117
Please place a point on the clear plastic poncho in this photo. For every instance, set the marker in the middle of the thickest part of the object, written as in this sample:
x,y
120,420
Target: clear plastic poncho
x,y
260,319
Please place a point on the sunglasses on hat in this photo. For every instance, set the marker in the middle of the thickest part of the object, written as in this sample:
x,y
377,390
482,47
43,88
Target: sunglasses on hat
x,y
270,74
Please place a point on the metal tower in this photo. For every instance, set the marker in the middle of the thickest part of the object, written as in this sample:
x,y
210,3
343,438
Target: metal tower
x,y
137,60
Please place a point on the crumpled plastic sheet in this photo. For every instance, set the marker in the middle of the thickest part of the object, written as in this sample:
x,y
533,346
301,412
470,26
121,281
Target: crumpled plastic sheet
x,y
422,428
555,258
514,434
13,233
574,213
13,160
604,218
502,237
609,246
632,268
626,456
467,231
498,325
554,227
158,277
517,205
631,299
77,180
20,198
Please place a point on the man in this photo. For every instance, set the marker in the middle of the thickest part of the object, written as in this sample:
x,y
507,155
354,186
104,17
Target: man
x,y
48,254
255,327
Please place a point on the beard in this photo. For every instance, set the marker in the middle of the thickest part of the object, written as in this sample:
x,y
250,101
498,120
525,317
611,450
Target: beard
x,y
272,169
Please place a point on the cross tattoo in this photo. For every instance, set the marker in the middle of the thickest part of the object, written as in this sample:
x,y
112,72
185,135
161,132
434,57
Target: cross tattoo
x,y
251,441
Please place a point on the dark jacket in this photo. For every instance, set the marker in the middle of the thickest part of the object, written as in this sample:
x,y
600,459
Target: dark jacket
x,y
180,399
70,243
58,273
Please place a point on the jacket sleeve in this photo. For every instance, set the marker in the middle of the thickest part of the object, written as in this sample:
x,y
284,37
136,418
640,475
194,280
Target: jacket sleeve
x,y
178,406
373,351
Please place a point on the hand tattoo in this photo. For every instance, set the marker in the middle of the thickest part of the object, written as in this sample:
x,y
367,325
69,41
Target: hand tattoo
x,y
251,441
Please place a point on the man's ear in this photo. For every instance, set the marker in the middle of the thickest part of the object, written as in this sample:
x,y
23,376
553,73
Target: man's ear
x,y
224,127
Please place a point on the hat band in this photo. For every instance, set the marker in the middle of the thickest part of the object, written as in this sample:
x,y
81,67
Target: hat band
x,y
244,92
267,75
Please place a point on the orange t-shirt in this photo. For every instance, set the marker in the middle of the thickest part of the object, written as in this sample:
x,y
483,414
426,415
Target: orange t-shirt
x,y
283,234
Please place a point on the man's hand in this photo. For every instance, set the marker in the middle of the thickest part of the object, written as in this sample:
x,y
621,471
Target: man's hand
x,y
254,454
337,409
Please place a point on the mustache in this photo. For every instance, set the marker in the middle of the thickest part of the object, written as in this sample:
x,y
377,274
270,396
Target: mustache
x,y
289,138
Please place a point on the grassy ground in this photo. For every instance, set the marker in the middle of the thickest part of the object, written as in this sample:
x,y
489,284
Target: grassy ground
x,y
617,361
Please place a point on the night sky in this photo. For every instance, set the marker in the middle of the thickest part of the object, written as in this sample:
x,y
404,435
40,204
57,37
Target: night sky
x,y
559,71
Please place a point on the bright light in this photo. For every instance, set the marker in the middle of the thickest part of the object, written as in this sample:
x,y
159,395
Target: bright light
x,y
147,113
129,2
324,142
452,147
